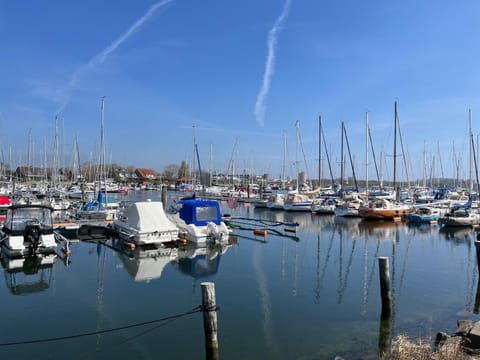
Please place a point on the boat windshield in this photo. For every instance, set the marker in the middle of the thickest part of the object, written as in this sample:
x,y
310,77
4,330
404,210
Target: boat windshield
x,y
206,213
23,217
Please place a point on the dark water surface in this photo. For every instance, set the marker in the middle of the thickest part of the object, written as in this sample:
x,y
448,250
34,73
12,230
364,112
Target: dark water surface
x,y
280,298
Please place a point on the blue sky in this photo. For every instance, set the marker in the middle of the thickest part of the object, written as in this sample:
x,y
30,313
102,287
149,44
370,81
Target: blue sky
x,y
237,75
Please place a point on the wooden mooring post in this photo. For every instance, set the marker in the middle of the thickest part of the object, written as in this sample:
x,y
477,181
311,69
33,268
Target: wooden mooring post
x,y
385,289
209,304
476,307
385,317
477,248
164,196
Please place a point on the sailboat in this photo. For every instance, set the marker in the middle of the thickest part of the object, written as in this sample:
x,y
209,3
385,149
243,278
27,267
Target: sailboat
x,y
299,200
98,209
382,208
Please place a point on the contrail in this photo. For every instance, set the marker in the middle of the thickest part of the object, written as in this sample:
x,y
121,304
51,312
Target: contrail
x,y
100,58
270,64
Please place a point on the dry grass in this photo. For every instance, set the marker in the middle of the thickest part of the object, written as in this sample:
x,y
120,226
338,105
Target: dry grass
x,y
405,349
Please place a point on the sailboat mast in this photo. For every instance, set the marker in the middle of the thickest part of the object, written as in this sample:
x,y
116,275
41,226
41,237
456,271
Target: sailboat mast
x,y
102,148
470,152
351,160
320,151
341,160
284,158
55,156
395,150
328,161
297,124
366,154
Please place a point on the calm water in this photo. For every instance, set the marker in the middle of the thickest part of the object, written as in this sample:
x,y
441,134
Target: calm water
x,y
280,298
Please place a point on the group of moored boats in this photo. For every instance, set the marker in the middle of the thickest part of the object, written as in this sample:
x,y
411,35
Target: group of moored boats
x,y
446,208
30,228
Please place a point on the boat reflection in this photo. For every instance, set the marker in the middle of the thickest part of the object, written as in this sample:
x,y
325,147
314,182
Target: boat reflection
x,y
458,235
382,230
145,263
30,274
200,261
348,224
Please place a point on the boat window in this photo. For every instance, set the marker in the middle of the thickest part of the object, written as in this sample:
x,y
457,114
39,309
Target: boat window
x,y
31,216
206,213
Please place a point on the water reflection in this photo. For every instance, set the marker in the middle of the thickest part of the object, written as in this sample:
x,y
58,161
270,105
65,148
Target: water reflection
x,y
146,264
461,235
28,275
382,230
200,261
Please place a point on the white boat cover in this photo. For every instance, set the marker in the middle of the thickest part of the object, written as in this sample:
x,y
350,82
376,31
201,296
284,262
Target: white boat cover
x,y
148,216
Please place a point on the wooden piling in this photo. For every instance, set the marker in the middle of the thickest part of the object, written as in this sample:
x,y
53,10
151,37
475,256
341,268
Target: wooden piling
x,y
385,290
210,320
476,307
164,196
477,248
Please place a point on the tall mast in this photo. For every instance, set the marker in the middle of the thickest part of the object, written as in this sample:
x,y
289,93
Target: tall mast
x,y
366,154
192,173
102,147
211,165
284,158
470,152
55,156
320,151
341,161
297,125
395,150
351,160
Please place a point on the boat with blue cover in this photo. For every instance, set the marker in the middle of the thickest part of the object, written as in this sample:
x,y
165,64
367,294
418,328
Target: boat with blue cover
x,y
199,221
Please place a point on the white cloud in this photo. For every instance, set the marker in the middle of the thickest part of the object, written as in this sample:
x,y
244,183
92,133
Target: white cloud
x,y
102,56
270,64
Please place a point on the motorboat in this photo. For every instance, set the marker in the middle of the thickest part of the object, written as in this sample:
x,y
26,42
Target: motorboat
x,y
276,201
349,208
423,214
28,229
298,202
199,221
460,216
144,223
324,205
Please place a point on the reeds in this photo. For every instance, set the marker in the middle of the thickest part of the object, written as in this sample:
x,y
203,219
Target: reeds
x,y
404,348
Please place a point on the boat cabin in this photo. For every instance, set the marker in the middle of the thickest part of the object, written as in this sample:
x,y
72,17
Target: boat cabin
x,y
200,212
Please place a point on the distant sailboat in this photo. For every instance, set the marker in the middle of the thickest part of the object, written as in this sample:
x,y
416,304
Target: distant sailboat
x,y
381,208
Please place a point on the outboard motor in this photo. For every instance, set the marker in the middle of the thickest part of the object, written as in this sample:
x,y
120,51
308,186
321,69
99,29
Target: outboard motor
x,y
32,237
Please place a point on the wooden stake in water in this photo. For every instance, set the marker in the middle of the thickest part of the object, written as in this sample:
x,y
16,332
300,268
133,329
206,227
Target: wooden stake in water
x,y
210,320
476,307
477,248
164,196
385,291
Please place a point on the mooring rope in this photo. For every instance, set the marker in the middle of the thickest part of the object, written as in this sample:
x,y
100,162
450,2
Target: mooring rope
x,y
197,309
263,221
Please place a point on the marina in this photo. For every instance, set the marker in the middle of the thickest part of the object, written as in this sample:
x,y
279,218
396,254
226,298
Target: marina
x,y
289,285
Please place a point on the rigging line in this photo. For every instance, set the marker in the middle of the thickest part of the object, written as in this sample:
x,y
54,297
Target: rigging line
x,y
268,225
90,354
347,272
68,337
266,221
